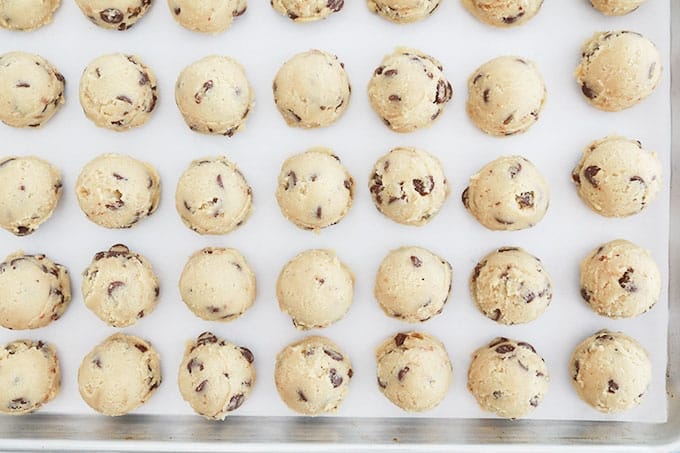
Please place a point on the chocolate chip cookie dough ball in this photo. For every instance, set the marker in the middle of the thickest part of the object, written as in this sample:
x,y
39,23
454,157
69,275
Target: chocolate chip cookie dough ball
x,y
114,14
214,96
30,189
508,378
206,16
34,291
31,90
414,371
616,177
312,89
218,284
119,375
117,191
26,15
408,185
403,11
616,7
118,92
610,371
618,70
507,194
620,280
503,13
505,96
215,376
29,376
213,196
307,10
312,376
408,90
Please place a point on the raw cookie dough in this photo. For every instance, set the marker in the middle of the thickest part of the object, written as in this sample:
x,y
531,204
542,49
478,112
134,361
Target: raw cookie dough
x,y
206,16
403,11
616,7
29,376
213,196
218,284
408,90
508,378
215,377
511,286
620,280
30,189
505,96
26,15
31,89
503,13
119,375
118,92
610,371
34,291
314,189
114,14
214,96
414,371
120,286
408,185
413,284
312,89
507,194
616,177
618,69
315,289
117,191
312,376
307,10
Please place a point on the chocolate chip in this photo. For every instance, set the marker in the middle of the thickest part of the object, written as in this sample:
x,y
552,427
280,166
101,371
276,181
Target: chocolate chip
x,y
336,379
247,353
377,187
394,97
18,403
206,338
124,98
590,173
626,281
318,212
235,402
507,120
348,184
503,221
295,115
529,297
419,186
119,177
193,363
177,11
320,280
402,373
587,91
507,249
612,386
200,387
115,205
301,396
111,15
496,314
444,92
22,84
141,347
477,270
604,336
650,74
522,365
333,354
534,401
476,79
219,181
23,231
379,70
417,262
400,338
350,373
514,170
512,19
291,180
391,73
505,348
497,341
577,368
526,345
525,200
114,286
97,362
241,12
497,394
143,78
586,294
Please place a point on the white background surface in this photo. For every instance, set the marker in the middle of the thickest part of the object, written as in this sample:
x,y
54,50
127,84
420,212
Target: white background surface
x,y
262,40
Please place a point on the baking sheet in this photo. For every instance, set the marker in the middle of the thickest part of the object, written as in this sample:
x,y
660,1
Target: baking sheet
x,y
262,40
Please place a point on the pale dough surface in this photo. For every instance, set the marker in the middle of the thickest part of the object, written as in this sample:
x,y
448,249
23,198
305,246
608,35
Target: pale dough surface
x,y
307,10
26,15
206,16
403,11
503,13
616,7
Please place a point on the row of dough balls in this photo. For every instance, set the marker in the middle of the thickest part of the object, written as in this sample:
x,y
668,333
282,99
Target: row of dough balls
x,y
408,90
216,16
510,286
610,371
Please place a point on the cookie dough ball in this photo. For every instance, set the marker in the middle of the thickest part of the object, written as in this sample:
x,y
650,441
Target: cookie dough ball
x,y
30,189
618,69
610,371
620,280
408,90
31,90
120,287
117,191
312,376
34,291
214,96
29,376
616,7
408,185
213,196
215,377
414,371
118,92
504,13
403,11
511,286
217,284
508,378
307,10
507,194
206,16
26,15
119,375
413,284
312,89
505,96
315,289
616,177
314,189
114,14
